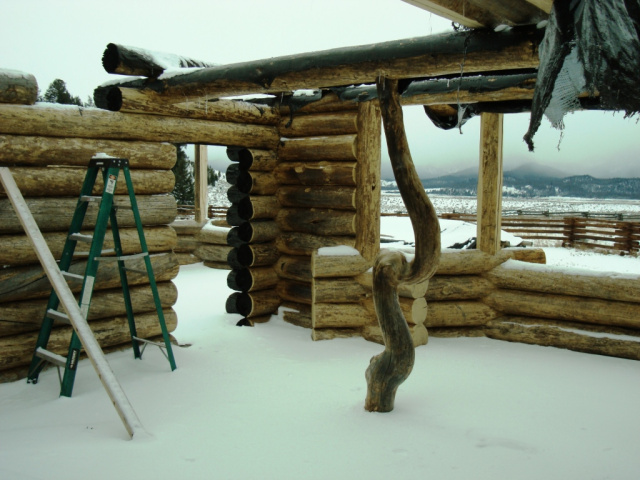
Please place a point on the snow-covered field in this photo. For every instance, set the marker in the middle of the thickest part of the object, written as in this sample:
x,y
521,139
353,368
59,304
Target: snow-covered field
x,y
268,403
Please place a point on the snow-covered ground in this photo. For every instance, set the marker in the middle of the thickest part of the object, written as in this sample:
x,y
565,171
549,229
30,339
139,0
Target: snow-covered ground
x,y
268,403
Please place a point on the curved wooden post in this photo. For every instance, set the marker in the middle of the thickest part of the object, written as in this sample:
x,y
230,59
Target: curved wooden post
x,y
392,367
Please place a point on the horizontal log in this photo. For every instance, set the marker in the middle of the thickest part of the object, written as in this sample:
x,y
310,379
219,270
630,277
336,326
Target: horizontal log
x,y
253,159
186,227
327,266
212,253
464,287
217,265
17,350
18,87
294,267
257,183
316,221
419,334
341,198
294,291
320,173
414,310
253,255
22,283
459,314
186,244
314,149
258,207
252,279
572,336
454,332
421,57
339,315
18,250
320,334
253,304
564,307
213,234
339,290
333,123
516,275
295,243
409,290
297,314
28,150
54,214
80,122
473,262
26,316
253,232
59,182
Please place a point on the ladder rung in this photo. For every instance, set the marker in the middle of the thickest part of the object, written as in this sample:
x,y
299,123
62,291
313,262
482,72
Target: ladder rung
x,y
51,357
124,258
75,276
150,342
90,198
56,315
86,254
81,237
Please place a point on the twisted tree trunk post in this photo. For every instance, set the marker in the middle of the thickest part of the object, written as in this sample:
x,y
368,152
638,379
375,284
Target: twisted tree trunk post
x,y
392,367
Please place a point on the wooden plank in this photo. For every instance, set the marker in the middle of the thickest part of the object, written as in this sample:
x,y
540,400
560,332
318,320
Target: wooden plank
x,y
98,360
201,190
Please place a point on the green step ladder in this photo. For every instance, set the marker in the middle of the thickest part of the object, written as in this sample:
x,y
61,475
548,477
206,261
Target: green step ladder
x,y
110,168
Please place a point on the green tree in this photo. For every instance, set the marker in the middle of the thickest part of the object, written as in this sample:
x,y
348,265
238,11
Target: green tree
x,y
212,176
184,189
58,93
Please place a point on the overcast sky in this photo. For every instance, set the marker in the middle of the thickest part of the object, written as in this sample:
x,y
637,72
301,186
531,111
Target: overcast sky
x,y
65,39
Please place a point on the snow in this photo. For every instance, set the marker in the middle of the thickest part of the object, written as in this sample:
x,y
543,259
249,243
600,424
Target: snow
x,y
268,403
338,250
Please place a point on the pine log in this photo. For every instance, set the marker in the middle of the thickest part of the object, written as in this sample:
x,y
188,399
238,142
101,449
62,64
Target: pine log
x,y
421,57
254,255
26,316
217,265
18,250
573,336
319,173
253,232
91,123
18,87
564,307
186,258
419,334
339,315
17,350
455,332
212,253
294,267
22,283
341,198
319,334
327,266
474,262
258,207
213,234
253,304
293,291
414,310
515,275
67,181
186,227
408,290
252,279
186,244
329,102
293,243
312,149
338,290
458,287
257,183
253,159
459,314
333,123
316,221
297,314
44,151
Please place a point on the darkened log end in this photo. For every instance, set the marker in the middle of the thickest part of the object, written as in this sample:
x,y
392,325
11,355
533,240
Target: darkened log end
x,y
232,173
111,58
240,280
234,194
108,98
233,153
233,217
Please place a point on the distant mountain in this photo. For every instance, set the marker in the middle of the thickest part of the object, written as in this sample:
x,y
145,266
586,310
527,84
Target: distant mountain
x,y
535,170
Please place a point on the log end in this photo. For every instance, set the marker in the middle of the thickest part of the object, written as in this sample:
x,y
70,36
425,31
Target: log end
x,y
111,58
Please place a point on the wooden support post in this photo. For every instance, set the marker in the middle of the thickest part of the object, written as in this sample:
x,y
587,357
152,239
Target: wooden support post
x,y
490,183
201,190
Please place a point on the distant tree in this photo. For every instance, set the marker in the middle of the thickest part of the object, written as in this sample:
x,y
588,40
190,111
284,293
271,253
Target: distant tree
x,y
212,176
58,93
184,189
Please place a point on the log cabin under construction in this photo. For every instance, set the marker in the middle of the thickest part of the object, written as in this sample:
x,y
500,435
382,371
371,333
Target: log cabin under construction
x,y
304,227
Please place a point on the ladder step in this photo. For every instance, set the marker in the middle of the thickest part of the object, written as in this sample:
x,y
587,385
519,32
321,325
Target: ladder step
x,y
56,315
51,357
81,237
124,258
86,254
90,198
150,342
73,276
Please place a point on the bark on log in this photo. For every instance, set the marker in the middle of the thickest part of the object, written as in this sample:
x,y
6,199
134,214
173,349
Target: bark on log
x,y
572,336
253,159
320,173
339,315
186,227
17,350
26,316
338,290
334,123
467,287
212,253
419,334
316,221
414,310
474,262
340,198
583,283
61,182
252,279
388,370
334,148
212,234
254,255
459,314
292,243
293,291
22,283
91,123
43,151
18,87
563,307
258,207
294,267
256,183
17,249
421,57
319,334
327,266
297,314
413,290
253,232
186,244
253,304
